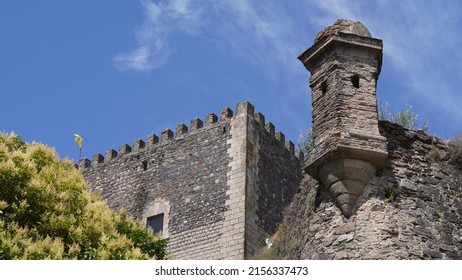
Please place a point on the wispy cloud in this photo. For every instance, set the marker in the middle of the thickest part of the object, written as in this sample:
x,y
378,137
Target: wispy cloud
x,y
254,31
264,33
153,35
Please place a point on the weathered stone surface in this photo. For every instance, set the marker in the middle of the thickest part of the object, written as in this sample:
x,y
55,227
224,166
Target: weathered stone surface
x,y
342,255
348,148
420,222
447,248
346,228
343,26
433,254
321,256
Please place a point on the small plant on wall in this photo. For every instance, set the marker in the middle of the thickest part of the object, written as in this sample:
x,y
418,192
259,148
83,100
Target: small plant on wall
x,y
391,194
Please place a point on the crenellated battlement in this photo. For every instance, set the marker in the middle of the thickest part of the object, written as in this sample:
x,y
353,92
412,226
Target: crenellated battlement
x,y
205,178
182,130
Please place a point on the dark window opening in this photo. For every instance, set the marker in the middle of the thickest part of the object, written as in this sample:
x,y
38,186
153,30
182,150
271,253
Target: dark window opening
x,y
145,165
156,223
355,81
324,87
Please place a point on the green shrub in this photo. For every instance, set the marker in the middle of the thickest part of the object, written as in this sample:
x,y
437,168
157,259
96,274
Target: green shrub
x,y
47,212
390,194
404,117
305,141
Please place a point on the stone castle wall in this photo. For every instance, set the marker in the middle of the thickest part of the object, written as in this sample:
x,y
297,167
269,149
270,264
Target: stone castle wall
x,y
185,175
219,199
273,180
410,210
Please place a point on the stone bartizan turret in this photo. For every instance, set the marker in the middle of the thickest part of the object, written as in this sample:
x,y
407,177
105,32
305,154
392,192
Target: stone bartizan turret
x,y
345,63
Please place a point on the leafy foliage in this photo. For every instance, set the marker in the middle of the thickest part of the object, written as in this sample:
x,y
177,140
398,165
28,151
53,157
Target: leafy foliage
x,y
390,194
47,212
305,141
144,241
404,117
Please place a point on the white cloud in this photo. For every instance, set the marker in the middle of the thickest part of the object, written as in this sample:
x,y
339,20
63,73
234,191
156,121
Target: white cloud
x,y
262,32
143,58
153,35
254,31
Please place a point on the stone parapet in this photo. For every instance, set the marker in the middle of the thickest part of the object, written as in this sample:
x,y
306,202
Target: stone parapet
x,y
182,130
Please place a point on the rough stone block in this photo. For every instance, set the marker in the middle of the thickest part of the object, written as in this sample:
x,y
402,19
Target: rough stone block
x,y
211,119
97,159
152,139
125,149
280,137
270,128
260,118
196,124
346,228
110,154
138,145
408,185
226,113
166,135
84,163
181,129
290,147
244,108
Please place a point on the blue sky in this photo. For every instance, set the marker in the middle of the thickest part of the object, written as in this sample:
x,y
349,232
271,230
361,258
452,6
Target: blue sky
x,y
114,70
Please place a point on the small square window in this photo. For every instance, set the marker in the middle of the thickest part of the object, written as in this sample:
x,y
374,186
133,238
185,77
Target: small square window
x,y
156,223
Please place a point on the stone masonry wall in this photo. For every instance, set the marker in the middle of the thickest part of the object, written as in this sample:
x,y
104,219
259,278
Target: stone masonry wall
x,y
185,175
278,179
274,174
325,108
358,109
222,187
410,210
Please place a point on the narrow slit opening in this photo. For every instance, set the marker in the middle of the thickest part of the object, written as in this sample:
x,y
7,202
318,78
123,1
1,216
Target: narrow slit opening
x,y
355,81
324,87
